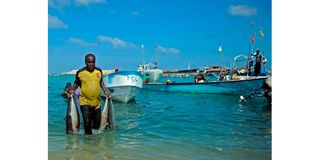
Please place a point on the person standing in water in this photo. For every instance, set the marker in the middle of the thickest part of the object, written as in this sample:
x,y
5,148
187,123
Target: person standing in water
x,y
89,79
66,90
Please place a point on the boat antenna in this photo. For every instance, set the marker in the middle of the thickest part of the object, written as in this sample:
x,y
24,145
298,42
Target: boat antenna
x,y
261,44
251,42
156,52
252,38
143,54
261,40
222,56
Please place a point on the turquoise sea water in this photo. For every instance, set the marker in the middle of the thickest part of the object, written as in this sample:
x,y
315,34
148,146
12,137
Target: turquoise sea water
x,y
161,125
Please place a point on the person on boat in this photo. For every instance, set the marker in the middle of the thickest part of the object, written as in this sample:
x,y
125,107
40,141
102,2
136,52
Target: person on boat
x,y
116,69
233,73
146,78
222,76
257,66
250,66
200,77
264,61
264,70
89,78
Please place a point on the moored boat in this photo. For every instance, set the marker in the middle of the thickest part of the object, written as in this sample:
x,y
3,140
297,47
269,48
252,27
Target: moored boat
x,y
239,87
123,85
152,71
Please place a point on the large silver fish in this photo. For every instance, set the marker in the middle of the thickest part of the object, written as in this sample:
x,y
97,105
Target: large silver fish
x,y
112,121
107,115
72,117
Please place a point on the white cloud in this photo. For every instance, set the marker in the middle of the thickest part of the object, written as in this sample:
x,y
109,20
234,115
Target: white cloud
x,y
112,12
242,10
136,13
88,2
115,42
55,22
59,3
168,50
80,42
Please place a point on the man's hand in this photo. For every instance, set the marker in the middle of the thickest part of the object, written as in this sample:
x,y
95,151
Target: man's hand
x,y
107,94
70,93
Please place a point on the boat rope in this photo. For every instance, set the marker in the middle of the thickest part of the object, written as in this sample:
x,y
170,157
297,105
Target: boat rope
x,y
256,92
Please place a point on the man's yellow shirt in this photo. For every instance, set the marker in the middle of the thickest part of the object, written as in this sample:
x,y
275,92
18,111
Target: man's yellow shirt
x,y
89,83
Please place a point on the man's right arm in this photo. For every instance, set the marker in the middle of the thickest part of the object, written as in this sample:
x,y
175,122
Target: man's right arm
x,y
75,85
73,89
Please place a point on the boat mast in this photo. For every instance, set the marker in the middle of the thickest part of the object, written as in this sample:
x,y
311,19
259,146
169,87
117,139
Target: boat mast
x,y
261,41
261,44
143,55
251,44
156,51
251,39
220,51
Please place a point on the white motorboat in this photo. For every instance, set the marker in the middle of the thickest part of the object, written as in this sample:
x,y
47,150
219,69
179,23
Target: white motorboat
x,y
151,71
123,85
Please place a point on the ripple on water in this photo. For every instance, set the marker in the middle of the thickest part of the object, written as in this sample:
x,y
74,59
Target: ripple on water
x,y
161,125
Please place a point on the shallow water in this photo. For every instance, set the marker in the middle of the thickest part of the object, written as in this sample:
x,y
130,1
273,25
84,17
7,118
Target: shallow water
x,y
161,125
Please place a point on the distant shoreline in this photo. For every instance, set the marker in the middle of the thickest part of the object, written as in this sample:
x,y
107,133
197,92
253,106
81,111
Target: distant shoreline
x,y
75,71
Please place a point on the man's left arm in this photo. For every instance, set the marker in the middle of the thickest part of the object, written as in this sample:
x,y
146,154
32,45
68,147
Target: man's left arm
x,y
105,90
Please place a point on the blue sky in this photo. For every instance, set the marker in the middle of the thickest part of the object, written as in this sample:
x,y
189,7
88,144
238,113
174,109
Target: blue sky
x,y
186,31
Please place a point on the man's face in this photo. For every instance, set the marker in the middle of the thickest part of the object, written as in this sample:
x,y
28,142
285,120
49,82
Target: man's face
x,y
90,63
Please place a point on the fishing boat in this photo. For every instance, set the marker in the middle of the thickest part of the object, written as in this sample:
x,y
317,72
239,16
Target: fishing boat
x,y
239,87
123,85
152,71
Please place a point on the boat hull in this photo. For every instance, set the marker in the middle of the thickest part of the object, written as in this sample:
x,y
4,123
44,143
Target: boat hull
x,y
154,74
124,94
123,85
240,87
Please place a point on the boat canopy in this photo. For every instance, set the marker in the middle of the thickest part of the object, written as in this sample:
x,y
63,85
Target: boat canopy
x,y
239,58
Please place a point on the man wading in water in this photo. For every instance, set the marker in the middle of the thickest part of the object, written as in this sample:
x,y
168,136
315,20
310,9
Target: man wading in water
x,y
89,79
